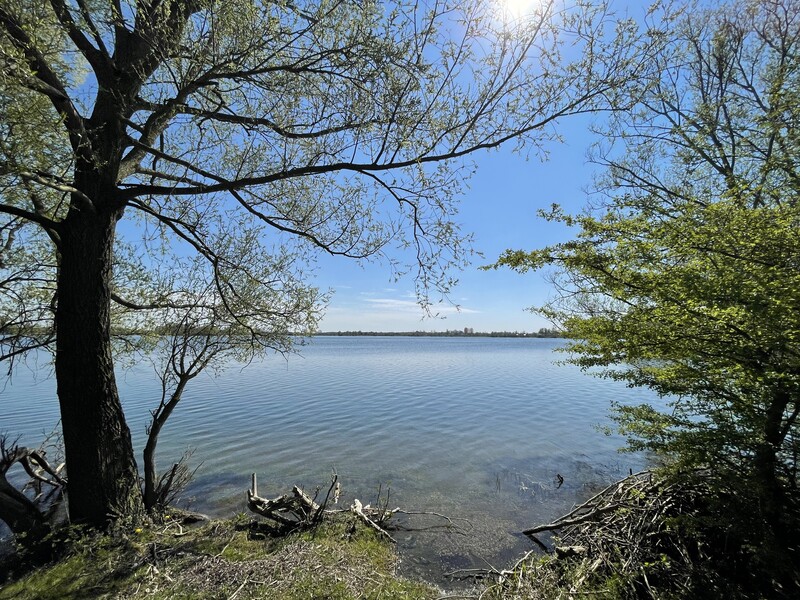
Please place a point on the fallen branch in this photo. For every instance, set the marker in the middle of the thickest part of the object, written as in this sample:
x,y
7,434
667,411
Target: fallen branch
x,y
564,522
590,510
359,510
625,532
295,509
298,510
19,512
449,524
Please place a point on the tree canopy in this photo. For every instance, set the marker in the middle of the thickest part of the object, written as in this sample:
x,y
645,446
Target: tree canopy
x,y
684,277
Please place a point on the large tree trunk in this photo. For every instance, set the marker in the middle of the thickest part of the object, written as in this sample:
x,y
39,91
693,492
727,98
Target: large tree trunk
x,y
779,539
102,476
766,461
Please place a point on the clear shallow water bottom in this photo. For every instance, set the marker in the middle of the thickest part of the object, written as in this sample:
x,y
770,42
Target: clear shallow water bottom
x,y
473,428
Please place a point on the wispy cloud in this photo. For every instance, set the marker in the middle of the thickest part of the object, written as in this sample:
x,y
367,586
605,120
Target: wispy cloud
x,y
410,306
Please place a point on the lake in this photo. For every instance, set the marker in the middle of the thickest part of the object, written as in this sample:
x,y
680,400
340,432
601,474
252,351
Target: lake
x,y
474,428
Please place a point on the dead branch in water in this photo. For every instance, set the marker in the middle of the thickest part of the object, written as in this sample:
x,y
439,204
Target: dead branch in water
x,y
295,510
593,508
359,510
628,532
298,510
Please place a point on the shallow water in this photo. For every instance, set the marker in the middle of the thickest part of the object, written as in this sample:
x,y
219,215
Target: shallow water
x,y
473,428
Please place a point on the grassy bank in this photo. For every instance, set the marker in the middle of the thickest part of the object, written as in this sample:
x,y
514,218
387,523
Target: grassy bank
x,y
228,559
647,536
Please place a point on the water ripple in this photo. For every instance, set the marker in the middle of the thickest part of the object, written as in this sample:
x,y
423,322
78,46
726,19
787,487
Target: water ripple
x,y
443,420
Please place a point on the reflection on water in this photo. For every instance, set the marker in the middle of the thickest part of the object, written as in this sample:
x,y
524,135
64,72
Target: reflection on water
x,y
478,429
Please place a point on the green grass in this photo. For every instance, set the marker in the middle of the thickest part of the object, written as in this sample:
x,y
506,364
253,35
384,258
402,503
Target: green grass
x,y
340,560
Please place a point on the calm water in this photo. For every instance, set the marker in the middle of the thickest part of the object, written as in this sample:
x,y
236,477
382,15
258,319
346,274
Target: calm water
x,y
474,428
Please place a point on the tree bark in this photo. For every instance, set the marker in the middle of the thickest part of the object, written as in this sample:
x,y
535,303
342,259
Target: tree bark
x,y
778,540
150,474
103,479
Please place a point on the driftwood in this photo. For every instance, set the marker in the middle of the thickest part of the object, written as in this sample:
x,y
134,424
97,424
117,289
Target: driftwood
x,y
372,519
298,510
624,532
596,506
22,514
35,465
290,510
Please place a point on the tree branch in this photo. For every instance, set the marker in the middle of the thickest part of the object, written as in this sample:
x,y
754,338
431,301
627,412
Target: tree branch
x,y
29,216
54,89
155,305
99,60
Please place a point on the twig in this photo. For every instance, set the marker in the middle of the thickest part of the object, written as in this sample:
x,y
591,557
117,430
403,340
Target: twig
x,y
563,522
239,589
358,509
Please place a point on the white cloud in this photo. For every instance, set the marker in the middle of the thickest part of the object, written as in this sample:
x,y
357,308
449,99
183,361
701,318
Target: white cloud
x,y
377,310
408,306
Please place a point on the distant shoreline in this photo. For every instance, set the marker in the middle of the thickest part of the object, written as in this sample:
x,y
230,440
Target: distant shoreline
x,y
544,333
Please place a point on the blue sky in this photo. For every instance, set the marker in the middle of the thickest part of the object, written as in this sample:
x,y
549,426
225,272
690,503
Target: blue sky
x,y
499,208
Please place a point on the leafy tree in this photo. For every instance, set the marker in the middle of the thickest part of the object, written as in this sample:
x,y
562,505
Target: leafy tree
x,y
685,278
146,144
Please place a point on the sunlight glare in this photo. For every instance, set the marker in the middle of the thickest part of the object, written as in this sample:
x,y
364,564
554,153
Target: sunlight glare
x,y
517,9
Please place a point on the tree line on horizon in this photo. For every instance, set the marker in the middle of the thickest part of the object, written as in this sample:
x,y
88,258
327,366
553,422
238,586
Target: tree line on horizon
x,y
543,332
